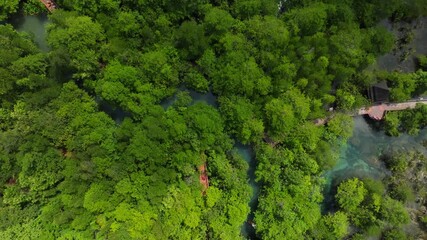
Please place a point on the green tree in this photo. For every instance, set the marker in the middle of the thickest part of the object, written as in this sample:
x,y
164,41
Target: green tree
x,y
281,118
393,212
81,38
97,198
238,73
23,69
350,195
33,7
8,7
402,191
92,7
194,79
345,100
391,124
217,22
421,82
395,234
332,226
402,86
347,54
422,61
242,118
339,127
191,40
309,20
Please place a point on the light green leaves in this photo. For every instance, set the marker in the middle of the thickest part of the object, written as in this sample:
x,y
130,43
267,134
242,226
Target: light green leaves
x,y
350,194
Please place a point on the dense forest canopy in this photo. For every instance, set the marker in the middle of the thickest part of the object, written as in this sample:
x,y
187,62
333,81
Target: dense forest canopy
x,y
68,170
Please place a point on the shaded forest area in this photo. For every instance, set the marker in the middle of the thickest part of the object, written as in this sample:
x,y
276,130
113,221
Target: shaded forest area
x,y
69,171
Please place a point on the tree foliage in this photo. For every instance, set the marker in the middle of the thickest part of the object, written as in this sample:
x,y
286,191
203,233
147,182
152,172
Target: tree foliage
x,y
8,7
100,137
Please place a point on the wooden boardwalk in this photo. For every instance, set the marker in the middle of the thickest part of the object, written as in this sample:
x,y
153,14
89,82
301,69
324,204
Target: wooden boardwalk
x,y
377,112
203,177
50,5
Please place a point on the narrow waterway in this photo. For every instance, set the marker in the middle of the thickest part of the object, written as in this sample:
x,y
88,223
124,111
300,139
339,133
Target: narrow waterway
x,y
245,151
360,156
35,26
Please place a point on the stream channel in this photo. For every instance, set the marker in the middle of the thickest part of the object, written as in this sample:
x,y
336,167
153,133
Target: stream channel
x,y
245,151
36,27
358,158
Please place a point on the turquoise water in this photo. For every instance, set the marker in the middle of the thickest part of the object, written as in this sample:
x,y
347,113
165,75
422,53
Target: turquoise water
x,y
35,26
247,153
360,156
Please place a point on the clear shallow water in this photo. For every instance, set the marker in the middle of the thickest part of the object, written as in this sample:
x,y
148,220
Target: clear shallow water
x,y
247,153
359,157
392,61
35,26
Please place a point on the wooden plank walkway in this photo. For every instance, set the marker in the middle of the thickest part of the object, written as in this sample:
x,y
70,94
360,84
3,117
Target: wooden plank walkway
x,y
203,177
50,5
377,112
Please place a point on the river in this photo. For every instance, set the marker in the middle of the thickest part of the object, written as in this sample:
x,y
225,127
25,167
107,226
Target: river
x,y
359,157
247,153
36,27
